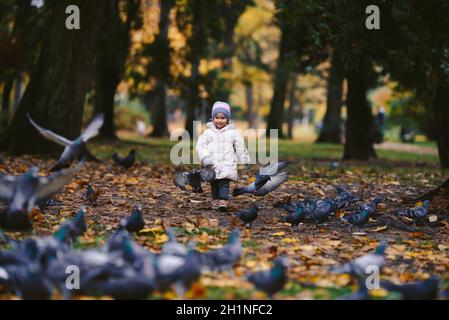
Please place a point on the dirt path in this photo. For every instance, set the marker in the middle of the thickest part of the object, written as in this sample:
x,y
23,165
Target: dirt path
x,y
402,147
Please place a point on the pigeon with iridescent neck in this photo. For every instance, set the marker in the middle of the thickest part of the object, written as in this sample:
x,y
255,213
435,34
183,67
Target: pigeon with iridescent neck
x,y
73,149
419,290
135,221
248,216
226,257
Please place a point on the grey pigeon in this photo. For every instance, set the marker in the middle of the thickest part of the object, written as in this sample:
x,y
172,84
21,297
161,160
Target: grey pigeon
x,y
75,149
23,192
372,206
344,197
419,290
322,209
273,280
417,212
360,265
248,216
226,257
173,247
268,179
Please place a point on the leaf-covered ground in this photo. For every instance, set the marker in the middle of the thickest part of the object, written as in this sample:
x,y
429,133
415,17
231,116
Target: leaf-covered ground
x,y
416,253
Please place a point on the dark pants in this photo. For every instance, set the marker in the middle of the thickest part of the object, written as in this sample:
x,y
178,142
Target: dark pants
x,y
220,189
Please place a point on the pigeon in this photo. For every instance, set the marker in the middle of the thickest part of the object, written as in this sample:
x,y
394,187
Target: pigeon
x,y
417,212
75,149
372,206
307,205
295,217
192,178
361,293
226,257
359,266
273,280
273,168
135,222
179,271
345,197
207,173
173,247
262,185
28,282
91,194
48,203
358,219
23,192
126,162
75,227
419,290
322,209
248,216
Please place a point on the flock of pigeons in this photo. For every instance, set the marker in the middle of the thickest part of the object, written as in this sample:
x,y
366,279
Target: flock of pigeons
x,y
36,268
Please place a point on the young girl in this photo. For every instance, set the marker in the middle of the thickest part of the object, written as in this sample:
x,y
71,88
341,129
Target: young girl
x,y
222,146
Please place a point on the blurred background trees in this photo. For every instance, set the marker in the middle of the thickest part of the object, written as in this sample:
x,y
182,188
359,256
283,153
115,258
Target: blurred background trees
x,y
309,69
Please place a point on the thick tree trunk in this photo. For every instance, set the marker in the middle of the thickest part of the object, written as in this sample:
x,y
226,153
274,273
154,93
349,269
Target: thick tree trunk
x,y
360,122
159,111
291,107
441,121
7,88
56,93
114,42
276,116
331,130
249,95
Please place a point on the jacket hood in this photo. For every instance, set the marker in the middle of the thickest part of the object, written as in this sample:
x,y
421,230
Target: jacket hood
x,y
229,126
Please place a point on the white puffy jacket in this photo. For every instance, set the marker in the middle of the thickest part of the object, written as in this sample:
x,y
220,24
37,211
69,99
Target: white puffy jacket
x,y
224,148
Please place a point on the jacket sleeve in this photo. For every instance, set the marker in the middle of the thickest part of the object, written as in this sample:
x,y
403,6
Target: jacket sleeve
x,y
201,146
240,149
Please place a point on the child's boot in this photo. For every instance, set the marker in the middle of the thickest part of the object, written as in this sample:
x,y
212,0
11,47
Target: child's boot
x,y
223,205
215,204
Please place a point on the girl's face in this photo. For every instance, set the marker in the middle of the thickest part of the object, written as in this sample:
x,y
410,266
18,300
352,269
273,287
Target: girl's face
x,y
220,120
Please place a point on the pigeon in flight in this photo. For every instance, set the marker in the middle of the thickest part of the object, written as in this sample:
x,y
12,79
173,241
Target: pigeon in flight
x,y
75,149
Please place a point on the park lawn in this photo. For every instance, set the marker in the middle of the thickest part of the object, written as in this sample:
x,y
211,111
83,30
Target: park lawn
x,y
312,249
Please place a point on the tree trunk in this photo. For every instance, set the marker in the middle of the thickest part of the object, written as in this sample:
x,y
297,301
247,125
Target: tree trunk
x,y
56,93
441,120
331,130
249,94
360,123
292,104
276,116
192,97
7,88
159,111
18,90
114,42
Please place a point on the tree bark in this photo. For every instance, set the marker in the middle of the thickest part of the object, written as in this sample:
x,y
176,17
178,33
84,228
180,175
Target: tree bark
x,y
7,88
331,130
441,121
192,97
159,111
18,90
276,116
56,93
249,95
360,122
110,62
291,107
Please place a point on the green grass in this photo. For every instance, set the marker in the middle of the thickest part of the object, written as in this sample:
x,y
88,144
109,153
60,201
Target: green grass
x,y
157,151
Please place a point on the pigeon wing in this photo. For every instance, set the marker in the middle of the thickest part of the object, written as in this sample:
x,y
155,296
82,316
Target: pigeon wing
x,y
93,128
272,184
207,174
181,180
6,187
273,169
50,135
52,184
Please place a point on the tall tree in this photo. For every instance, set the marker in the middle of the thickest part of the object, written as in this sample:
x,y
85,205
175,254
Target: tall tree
x,y
302,45
56,92
160,52
331,129
113,49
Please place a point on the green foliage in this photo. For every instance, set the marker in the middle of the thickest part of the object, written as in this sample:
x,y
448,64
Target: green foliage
x,y
126,116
